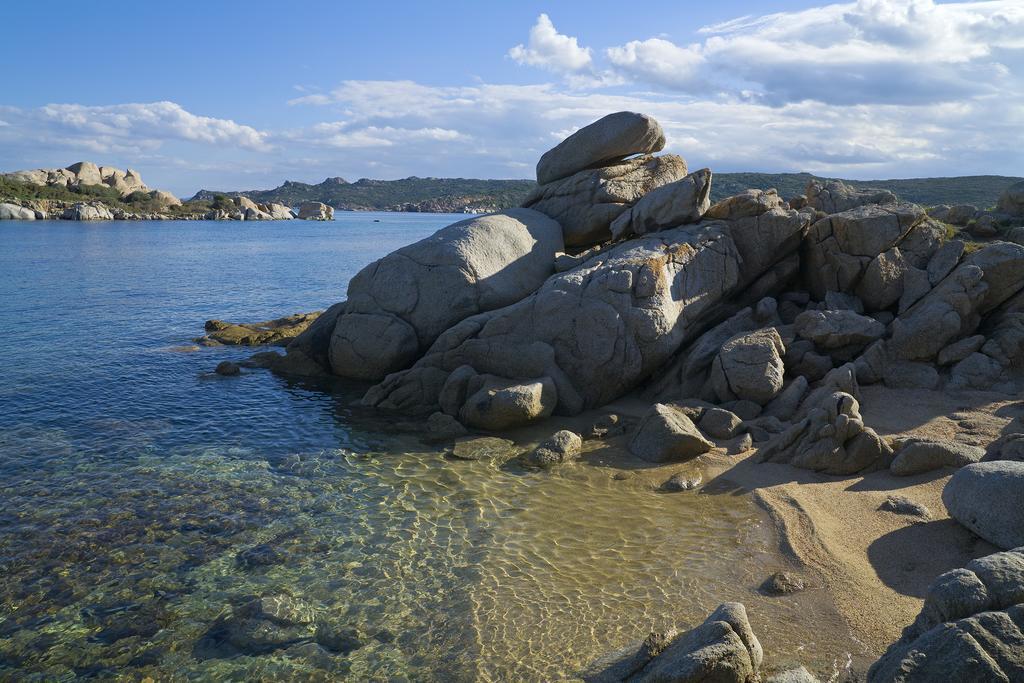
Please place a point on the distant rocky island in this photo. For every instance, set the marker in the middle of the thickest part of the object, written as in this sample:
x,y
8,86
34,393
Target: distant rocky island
x,y
87,191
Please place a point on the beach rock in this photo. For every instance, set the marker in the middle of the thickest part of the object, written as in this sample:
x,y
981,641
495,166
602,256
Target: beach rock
x,y
831,439
723,648
782,583
919,456
986,498
13,212
719,423
560,447
502,404
227,369
483,448
944,260
609,425
797,675
839,247
681,481
834,196
947,313
901,505
910,375
749,367
785,405
959,350
442,428
977,371
971,627
609,139
81,211
1011,201
881,286
666,434
669,206
400,304
836,329
597,331
586,203
748,203
316,211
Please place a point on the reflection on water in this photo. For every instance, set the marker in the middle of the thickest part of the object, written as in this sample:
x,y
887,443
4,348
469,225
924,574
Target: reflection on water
x,y
143,503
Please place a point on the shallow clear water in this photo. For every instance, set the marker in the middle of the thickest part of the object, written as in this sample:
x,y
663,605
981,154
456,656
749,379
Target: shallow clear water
x,y
131,479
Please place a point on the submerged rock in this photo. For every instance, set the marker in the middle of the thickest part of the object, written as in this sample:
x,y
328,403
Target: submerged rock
x,y
782,583
483,448
228,369
278,332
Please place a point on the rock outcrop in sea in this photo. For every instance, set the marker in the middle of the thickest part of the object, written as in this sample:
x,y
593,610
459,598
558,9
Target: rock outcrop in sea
x,y
752,322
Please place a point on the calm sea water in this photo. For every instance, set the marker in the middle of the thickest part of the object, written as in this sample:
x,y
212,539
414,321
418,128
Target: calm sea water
x,y
136,488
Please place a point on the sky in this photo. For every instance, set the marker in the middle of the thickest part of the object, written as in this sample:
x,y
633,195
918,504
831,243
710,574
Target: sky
x,y
237,95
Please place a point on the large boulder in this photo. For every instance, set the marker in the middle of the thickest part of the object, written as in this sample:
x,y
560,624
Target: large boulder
x,y
666,434
86,173
723,649
834,196
831,439
398,305
586,203
749,367
1011,201
669,206
836,329
918,456
494,403
607,140
986,497
600,329
971,627
13,212
840,247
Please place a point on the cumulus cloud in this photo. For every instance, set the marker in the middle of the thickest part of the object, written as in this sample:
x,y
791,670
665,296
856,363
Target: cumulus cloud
x,y
549,49
869,52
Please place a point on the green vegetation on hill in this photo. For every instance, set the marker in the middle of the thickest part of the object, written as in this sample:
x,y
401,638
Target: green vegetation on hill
x,y
366,194
449,193
136,202
980,190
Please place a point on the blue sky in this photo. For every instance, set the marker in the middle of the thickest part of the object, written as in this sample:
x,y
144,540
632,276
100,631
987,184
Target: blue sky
x,y
240,95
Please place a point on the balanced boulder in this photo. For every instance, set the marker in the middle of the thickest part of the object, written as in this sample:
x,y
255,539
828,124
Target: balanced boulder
x,y
607,140
834,196
398,305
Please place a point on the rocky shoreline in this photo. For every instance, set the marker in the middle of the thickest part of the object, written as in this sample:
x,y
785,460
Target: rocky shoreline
x,y
844,352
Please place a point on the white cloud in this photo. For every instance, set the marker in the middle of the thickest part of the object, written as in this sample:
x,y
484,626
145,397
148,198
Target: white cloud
x,y
549,49
871,51
152,122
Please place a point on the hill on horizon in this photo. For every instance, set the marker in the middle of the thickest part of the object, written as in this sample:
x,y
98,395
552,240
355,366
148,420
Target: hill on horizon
x,y
463,194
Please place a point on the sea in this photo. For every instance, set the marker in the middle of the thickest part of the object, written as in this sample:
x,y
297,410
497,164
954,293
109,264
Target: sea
x,y
147,503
